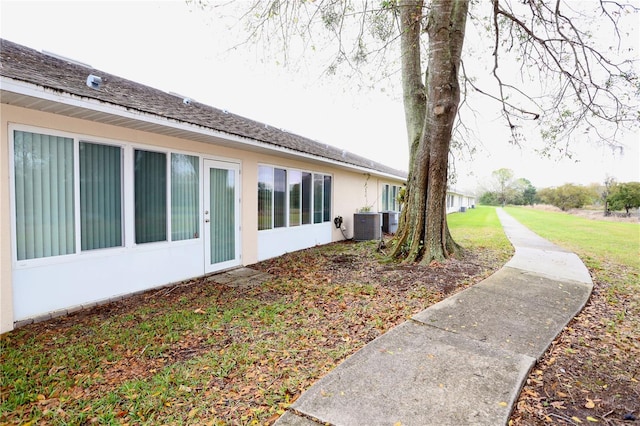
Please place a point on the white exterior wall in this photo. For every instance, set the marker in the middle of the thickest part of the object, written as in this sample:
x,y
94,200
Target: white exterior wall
x,y
276,242
456,200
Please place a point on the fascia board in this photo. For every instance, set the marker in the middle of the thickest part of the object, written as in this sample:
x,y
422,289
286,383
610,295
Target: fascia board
x,y
85,103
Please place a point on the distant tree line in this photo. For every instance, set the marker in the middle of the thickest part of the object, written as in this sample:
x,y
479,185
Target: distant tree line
x,y
624,196
505,189
570,196
612,196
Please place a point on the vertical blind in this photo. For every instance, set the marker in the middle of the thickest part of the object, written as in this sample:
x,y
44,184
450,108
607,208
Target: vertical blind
x,y
279,198
223,214
46,196
265,197
150,194
295,183
100,196
185,205
43,170
307,186
385,197
317,198
394,195
389,198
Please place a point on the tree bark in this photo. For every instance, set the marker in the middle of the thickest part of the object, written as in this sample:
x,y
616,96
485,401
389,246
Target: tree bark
x,y
446,26
412,218
421,236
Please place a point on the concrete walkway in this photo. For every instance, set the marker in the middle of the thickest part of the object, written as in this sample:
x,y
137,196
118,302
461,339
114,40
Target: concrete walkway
x,y
462,361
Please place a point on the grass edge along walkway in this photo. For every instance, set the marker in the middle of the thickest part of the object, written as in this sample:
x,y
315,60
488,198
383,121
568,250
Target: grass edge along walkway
x,y
593,239
590,374
201,353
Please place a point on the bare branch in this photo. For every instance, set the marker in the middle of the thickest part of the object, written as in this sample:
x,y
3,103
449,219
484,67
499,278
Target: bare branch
x,y
591,85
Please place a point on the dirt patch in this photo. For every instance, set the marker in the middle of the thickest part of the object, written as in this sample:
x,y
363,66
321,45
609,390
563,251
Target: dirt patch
x,y
349,268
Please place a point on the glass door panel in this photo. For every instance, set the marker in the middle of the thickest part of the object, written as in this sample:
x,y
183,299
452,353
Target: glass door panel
x,y
221,215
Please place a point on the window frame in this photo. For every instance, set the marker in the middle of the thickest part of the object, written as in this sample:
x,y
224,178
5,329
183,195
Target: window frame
x,y
14,201
389,194
127,183
292,171
122,195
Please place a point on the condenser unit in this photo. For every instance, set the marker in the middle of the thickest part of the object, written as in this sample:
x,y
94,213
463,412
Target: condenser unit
x,y
367,226
390,222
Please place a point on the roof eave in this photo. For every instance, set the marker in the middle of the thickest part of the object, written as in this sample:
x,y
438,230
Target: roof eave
x,y
27,95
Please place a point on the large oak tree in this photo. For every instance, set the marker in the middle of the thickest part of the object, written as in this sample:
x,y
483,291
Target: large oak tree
x,y
571,82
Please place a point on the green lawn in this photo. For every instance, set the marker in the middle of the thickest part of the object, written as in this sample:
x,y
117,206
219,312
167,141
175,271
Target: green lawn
x,y
480,228
593,240
597,357
205,353
210,354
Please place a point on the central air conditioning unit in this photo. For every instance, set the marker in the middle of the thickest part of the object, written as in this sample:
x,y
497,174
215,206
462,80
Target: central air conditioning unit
x,y
390,222
367,226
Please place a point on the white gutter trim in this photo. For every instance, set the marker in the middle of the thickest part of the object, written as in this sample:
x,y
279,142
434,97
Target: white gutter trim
x,y
53,95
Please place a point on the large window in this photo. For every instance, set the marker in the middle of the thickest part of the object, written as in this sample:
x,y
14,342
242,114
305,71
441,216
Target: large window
x,y
150,192
292,198
100,196
69,195
185,199
44,195
390,198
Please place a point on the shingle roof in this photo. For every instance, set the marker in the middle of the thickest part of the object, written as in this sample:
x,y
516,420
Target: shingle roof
x,y
28,65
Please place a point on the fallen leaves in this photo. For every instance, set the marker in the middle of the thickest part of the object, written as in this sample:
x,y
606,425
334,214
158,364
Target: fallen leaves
x,y
589,374
207,353
243,355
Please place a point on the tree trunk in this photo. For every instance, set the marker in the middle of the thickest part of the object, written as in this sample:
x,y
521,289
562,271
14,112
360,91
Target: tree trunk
x,y
445,28
424,233
412,217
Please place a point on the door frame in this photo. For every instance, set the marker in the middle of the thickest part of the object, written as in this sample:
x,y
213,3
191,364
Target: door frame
x,y
234,166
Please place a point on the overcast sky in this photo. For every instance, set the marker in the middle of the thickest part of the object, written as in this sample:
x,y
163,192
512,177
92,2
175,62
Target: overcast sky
x,y
173,47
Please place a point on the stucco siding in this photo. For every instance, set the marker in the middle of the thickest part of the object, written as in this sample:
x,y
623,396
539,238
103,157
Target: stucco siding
x,y
38,287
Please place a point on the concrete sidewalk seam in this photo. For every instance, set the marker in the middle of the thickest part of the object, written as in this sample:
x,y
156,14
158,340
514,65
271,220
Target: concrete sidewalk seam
x,y
464,360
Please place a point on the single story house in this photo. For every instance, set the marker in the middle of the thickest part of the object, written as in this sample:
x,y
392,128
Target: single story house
x,y
109,187
459,201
